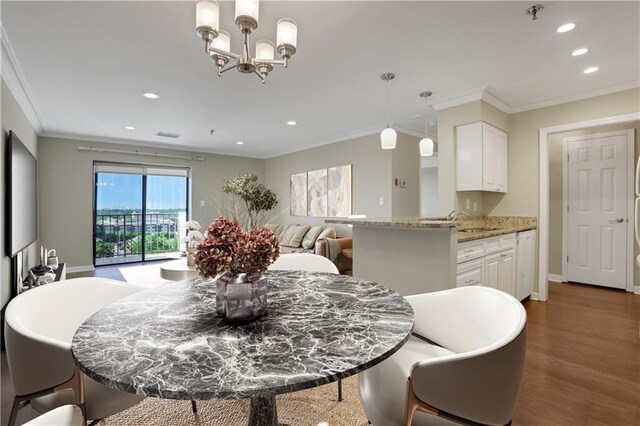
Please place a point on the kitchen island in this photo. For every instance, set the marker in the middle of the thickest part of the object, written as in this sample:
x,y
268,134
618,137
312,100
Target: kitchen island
x,y
419,255
409,255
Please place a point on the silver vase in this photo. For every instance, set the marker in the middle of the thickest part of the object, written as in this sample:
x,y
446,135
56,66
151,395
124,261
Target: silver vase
x,y
240,297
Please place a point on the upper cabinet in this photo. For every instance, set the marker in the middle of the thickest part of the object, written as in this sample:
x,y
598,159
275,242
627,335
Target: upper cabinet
x,y
481,158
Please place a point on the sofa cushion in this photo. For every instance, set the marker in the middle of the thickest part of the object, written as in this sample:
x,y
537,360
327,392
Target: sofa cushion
x,y
309,240
327,233
284,231
292,235
276,229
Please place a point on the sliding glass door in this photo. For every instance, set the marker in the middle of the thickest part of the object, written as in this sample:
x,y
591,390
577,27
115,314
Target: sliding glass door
x,y
138,212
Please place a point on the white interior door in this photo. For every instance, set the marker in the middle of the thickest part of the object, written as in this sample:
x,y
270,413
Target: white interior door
x,y
598,201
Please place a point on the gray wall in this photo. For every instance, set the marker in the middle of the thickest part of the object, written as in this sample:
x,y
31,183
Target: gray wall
x,y
66,189
556,165
12,118
372,173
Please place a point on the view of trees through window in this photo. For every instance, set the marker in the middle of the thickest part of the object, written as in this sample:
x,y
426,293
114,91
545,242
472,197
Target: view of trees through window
x,y
130,230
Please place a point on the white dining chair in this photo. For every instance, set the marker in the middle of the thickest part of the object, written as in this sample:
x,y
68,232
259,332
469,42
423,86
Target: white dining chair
x,y
463,362
310,263
67,415
39,329
303,262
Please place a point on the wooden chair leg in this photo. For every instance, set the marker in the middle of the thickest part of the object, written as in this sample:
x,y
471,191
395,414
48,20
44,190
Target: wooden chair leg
x,y
340,390
413,403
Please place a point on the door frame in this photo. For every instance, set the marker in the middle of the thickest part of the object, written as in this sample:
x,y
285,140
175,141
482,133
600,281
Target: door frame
x,y
630,133
543,191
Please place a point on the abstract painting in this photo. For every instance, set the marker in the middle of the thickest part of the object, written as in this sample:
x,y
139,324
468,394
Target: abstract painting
x,y
299,194
317,193
339,191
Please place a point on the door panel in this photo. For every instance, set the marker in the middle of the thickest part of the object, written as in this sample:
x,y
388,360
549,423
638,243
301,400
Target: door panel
x,y
507,272
597,202
492,271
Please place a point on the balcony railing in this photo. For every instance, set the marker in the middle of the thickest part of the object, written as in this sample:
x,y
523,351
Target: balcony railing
x,y
118,237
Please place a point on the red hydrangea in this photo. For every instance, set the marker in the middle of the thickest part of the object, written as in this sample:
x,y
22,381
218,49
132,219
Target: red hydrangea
x,y
226,247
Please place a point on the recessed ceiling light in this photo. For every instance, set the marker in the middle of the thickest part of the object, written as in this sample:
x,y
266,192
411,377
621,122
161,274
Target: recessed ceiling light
x,y
580,52
566,27
151,95
239,143
291,123
129,127
591,70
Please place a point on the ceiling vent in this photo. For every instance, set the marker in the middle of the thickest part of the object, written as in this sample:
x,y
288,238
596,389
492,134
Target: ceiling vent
x,y
169,135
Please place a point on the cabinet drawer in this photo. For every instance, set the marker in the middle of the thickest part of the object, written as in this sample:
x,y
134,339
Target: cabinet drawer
x,y
470,250
508,241
470,273
491,245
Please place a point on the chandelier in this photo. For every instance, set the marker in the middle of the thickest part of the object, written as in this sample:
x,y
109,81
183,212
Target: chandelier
x,y
426,144
217,43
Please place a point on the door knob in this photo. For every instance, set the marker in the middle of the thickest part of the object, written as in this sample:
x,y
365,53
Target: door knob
x,y
618,220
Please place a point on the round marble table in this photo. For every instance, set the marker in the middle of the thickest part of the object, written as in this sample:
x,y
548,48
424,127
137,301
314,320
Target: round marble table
x,y
168,342
177,270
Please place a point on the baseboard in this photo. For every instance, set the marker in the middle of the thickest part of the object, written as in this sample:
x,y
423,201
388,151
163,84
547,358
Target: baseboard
x,y
555,278
636,289
534,296
74,269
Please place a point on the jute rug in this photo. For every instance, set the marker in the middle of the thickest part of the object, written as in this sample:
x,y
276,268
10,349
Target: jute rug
x,y
313,407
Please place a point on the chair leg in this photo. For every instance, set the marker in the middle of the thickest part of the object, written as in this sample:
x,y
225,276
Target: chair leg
x,y
413,403
339,390
194,407
14,411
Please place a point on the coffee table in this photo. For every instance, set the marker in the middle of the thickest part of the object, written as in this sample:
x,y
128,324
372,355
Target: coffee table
x,y
177,270
168,342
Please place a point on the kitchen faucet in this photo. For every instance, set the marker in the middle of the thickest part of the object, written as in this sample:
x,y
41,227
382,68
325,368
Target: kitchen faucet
x,y
456,214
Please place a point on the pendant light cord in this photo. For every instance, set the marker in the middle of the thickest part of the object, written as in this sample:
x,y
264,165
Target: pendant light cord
x,y
426,118
388,114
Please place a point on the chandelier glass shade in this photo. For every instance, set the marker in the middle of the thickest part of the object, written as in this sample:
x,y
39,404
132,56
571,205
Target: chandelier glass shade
x,y
218,42
426,147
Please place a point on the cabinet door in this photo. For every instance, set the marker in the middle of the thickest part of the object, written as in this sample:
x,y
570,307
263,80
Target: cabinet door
x,y
507,274
500,140
492,270
489,172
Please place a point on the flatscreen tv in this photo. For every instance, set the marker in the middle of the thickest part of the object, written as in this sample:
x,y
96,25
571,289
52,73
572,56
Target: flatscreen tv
x,y
22,189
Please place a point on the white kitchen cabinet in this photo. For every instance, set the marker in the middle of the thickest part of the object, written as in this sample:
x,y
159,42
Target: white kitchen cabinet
x,y
492,270
481,158
500,271
470,273
524,268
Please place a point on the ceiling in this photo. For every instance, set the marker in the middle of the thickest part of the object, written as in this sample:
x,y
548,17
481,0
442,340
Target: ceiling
x,y
86,64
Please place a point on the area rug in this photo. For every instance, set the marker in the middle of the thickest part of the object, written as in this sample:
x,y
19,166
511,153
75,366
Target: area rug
x,y
312,407
144,275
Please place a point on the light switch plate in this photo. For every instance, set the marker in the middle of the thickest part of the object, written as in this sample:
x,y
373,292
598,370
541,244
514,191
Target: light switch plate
x,y
468,204
201,203
382,201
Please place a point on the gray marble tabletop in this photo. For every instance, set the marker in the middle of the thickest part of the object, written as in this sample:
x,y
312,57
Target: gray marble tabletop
x,y
168,341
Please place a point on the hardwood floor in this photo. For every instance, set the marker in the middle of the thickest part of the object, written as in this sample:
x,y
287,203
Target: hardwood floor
x,y
583,358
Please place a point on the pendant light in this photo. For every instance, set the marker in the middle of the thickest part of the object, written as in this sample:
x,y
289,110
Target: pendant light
x,y
388,135
426,144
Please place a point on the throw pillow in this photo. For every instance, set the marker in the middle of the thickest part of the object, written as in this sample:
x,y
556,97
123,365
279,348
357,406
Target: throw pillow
x,y
276,229
297,235
285,234
309,240
327,233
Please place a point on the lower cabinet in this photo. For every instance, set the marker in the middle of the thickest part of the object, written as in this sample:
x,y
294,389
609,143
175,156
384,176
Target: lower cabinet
x,y
496,266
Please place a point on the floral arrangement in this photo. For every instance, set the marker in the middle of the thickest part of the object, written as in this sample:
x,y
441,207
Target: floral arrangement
x,y
194,236
226,247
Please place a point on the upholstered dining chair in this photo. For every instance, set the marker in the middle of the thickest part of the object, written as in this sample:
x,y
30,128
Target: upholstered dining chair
x,y
306,262
303,262
39,328
67,415
463,363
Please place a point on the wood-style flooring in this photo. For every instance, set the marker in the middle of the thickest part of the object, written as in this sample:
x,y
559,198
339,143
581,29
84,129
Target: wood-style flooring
x,y
583,358
582,365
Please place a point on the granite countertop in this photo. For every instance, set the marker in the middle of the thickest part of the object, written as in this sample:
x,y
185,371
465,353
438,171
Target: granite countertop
x,y
493,226
399,222
168,342
489,226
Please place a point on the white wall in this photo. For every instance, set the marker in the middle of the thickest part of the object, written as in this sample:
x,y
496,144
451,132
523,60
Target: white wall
x,y
66,189
429,191
12,118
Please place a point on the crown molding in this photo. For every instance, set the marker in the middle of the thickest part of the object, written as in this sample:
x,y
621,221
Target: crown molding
x,y
14,77
495,101
576,97
465,98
